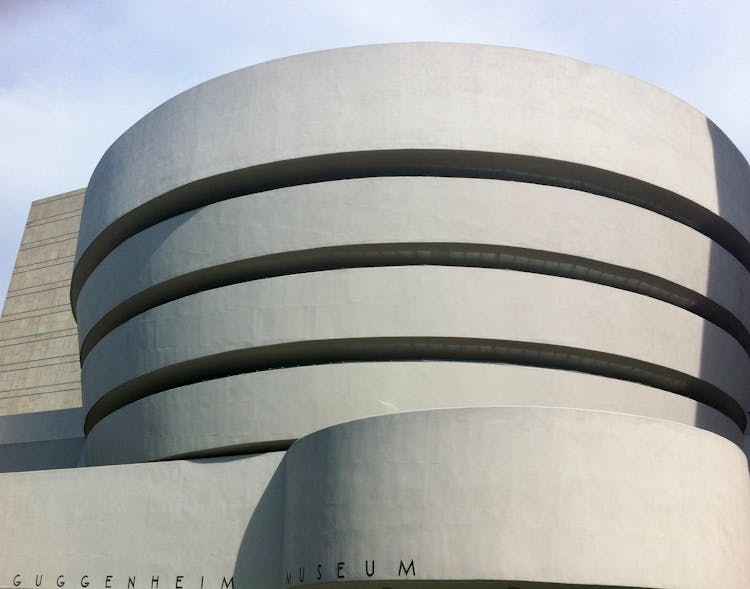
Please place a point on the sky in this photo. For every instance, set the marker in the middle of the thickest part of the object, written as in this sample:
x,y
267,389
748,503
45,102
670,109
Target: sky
x,y
75,74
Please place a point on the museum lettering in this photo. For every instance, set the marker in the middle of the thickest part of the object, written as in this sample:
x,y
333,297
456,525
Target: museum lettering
x,y
47,581
343,569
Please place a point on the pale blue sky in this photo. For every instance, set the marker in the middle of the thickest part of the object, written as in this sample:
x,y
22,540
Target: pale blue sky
x,y
75,74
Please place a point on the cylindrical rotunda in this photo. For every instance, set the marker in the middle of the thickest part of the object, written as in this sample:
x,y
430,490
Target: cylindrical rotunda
x,y
554,251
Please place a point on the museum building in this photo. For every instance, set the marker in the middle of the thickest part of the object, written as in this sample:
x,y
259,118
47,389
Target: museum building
x,y
423,314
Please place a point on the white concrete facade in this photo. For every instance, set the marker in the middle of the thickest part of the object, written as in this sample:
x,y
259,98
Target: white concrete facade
x,y
415,314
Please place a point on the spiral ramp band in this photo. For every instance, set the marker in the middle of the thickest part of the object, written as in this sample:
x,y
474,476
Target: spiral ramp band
x,y
547,252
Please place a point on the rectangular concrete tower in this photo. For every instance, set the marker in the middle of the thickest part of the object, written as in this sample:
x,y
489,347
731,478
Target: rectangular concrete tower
x,y
39,369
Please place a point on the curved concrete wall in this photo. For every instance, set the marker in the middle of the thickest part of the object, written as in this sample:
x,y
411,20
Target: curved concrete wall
x,y
517,495
261,410
258,127
222,331
455,497
562,231
497,210
200,524
523,277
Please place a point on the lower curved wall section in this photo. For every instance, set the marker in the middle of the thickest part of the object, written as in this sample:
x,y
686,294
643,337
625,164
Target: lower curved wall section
x,y
490,496
268,410
211,524
514,495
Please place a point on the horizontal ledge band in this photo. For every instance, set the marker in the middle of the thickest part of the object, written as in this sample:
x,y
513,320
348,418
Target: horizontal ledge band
x,y
407,162
233,450
384,349
472,255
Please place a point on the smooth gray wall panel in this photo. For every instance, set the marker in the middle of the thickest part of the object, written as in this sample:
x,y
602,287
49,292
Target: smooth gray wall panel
x,y
242,413
417,301
43,455
393,210
42,440
517,494
182,523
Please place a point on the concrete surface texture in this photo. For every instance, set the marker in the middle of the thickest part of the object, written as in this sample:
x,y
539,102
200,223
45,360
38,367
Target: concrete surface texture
x,y
546,495
42,440
39,368
305,318
251,412
99,528
409,314
523,226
